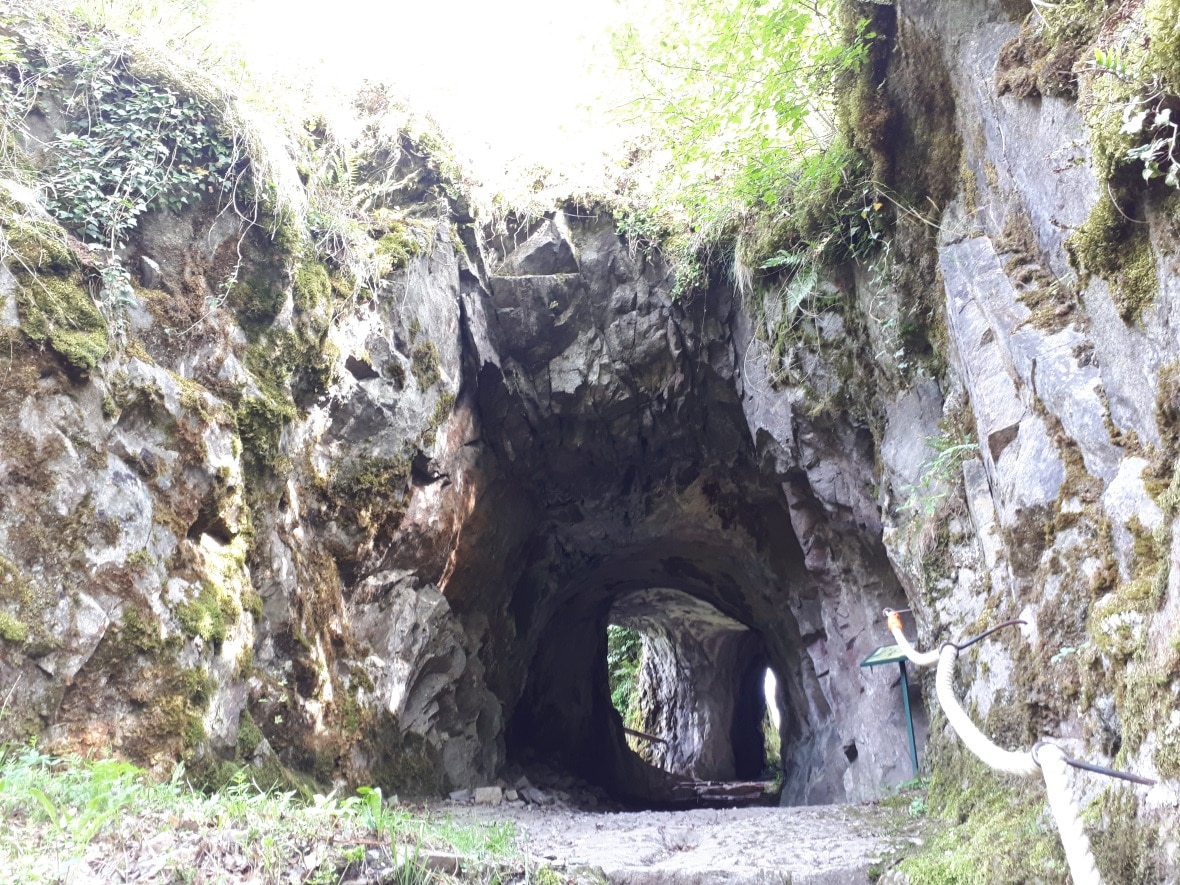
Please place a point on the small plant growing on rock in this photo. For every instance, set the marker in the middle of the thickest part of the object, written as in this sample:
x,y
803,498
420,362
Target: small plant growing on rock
x,y
938,475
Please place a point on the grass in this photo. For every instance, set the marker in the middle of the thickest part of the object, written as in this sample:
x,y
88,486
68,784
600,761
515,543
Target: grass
x,y
62,813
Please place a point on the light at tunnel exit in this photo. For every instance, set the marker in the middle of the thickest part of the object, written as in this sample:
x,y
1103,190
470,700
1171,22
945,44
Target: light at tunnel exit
x,y
769,689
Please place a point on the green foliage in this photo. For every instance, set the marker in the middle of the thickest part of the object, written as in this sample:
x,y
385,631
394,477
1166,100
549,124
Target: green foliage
x,y
130,146
624,651
58,810
734,89
939,474
740,97
1133,94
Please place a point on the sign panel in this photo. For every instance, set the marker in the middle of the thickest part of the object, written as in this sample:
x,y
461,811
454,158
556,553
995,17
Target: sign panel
x,y
886,654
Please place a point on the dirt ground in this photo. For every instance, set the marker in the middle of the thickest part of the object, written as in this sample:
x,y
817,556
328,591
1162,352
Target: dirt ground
x,y
819,845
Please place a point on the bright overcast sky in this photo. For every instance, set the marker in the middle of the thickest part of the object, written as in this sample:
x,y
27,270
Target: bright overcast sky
x,y
509,82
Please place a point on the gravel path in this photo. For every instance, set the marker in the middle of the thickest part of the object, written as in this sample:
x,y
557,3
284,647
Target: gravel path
x,y
817,845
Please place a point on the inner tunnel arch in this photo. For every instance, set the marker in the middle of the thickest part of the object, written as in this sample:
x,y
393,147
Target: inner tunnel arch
x,y
565,716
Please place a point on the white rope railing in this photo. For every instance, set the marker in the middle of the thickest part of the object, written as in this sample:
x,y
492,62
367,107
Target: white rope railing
x,y
1046,758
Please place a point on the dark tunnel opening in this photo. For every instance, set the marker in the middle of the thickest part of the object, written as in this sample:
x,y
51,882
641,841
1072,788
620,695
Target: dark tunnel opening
x,y
700,689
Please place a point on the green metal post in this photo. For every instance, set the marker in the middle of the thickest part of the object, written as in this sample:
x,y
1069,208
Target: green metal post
x,y
909,718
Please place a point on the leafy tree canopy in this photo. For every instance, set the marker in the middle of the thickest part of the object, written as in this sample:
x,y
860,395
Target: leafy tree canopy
x,y
739,97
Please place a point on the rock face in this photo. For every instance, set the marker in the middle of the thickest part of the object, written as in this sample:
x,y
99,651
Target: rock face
x,y
404,572
380,538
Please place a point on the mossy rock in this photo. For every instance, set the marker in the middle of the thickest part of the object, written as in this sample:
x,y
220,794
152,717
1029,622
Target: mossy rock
x,y
998,831
1162,20
140,631
59,312
12,629
313,286
35,247
372,491
396,248
209,614
407,763
260,421
249,735
1118,249
257,299
424,364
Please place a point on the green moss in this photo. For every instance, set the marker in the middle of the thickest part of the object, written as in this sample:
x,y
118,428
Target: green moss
x,y
1126,850
396,372
358,678
1000,831
35,247
396,248
424,364
1146,698
244,665
1117,624
1167,410
313,287
260,421
12,629
1162,20
249,735
372,491
252,603
194,732
404,763
1119,250
208,615
442,411
288,234
257,298
59,312
140,631
302,360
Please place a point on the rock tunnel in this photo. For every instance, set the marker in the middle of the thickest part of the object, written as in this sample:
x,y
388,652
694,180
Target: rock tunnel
x,y
620,473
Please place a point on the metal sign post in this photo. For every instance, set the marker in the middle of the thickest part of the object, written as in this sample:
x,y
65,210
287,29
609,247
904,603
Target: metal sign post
x,y
889,654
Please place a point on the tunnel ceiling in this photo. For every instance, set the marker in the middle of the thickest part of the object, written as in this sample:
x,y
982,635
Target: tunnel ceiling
x,y
653,609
